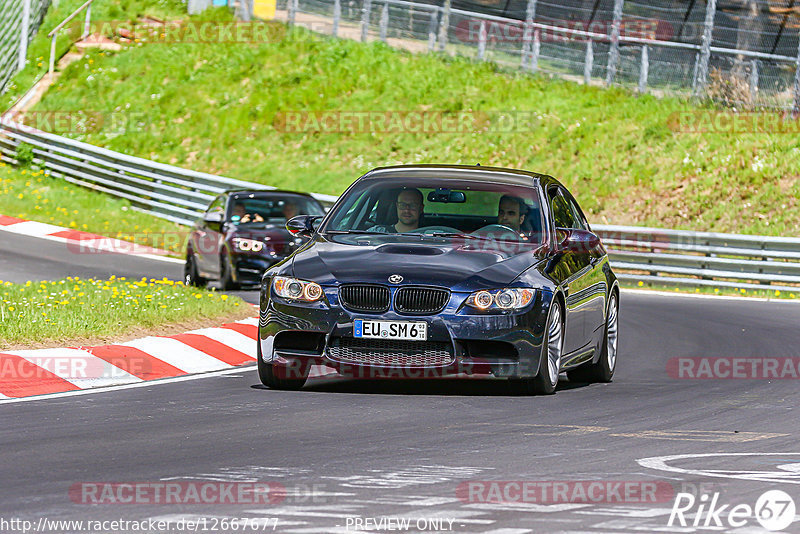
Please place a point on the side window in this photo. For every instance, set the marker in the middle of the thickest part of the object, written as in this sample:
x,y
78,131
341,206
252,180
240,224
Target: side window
x,y
562,214
580,222
218,206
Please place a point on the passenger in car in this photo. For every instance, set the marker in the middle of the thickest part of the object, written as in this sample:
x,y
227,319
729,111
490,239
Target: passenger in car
x,y
410,207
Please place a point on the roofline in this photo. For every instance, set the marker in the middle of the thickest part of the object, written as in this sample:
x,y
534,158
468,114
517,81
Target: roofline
x,y
466,168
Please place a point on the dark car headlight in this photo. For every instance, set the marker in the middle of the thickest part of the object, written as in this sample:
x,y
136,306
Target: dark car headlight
x,y
242,244
506,299
292,288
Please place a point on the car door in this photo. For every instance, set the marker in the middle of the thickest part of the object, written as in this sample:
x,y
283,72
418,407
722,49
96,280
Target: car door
x,y
595,281
208,239
574,272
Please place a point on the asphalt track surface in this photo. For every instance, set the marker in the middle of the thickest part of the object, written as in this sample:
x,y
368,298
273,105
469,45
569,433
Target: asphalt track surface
x,y
352,452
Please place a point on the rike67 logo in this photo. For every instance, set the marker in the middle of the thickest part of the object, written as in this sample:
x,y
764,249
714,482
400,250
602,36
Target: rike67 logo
x,y
774,510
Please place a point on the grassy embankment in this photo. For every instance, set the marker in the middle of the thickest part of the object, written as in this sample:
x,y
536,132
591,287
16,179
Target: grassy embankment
x,y
214,107
89,311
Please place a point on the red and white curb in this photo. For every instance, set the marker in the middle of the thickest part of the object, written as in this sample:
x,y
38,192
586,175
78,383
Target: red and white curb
x,y
81,242
25,373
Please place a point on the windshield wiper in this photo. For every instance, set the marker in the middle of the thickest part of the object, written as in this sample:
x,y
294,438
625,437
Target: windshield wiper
x,y
451,234
344,232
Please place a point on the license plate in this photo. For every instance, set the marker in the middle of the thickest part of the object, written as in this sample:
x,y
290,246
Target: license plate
x,y
414,331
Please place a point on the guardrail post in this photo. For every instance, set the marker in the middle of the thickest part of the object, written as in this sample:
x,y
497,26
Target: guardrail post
x,y
534,64
796,109
754,81
337,14
52,68
588,63
23,34
705,49
292,15
444,25
613,52
527,33
365,14
644,71
432,31
87,22
384,21
482,41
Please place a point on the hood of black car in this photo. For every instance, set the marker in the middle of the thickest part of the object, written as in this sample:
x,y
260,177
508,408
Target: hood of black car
x,y
454,263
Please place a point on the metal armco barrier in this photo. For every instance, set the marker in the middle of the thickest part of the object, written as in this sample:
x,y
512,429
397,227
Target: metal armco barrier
x,y
652,255
179,195
702,259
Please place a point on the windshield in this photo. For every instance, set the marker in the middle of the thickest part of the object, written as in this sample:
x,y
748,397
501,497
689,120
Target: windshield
x,y
439,207
260,208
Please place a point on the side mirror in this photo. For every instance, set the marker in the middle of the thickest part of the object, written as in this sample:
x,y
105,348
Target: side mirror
x,y
575,240
302,225
214,217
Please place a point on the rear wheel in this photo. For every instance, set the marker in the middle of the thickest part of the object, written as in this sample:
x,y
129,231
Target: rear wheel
x,y
545,382
603,370
190,276
267,374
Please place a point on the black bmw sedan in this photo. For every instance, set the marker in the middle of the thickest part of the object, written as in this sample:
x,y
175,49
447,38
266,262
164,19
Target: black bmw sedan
x,y
242,233
433,270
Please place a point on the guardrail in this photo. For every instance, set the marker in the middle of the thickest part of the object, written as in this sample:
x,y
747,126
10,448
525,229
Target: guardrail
x,y
703,259
173,193
649,255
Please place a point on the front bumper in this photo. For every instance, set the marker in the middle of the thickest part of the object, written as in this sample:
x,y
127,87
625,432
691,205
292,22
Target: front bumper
x,y
296,335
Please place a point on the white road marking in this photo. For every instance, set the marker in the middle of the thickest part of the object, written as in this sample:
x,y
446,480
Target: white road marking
x,y
143,384
787,476
711,297
177,354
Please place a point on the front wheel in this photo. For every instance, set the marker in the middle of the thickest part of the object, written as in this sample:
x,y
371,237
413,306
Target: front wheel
x,y
545,382
268,376
603,370
190,276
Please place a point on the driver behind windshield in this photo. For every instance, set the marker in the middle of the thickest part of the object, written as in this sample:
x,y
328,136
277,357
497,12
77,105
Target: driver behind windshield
x,y
511,212
409,205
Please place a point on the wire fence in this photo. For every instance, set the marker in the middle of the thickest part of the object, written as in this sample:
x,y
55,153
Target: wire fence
x,y
19,21
744,54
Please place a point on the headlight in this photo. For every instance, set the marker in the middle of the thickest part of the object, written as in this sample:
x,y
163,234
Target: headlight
x,y
247,245
292,288
501,299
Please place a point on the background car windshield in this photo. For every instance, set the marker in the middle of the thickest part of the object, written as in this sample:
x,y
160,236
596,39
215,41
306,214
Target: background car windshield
x,y
245,209
448,206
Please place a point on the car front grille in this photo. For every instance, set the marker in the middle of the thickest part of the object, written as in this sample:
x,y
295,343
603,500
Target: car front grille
x,y
421,300
391,353
364,297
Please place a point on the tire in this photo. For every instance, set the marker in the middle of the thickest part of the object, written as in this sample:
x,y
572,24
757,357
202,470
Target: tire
x,y
226,277
190,276
546,380
603,370
267,375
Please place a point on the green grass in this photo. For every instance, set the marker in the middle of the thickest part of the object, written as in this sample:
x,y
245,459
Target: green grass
x,y
76,309
38,59
716,291
212,107
34,195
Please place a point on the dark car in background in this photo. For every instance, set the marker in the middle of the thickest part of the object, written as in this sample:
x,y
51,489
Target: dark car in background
x,y
242,233
429,270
